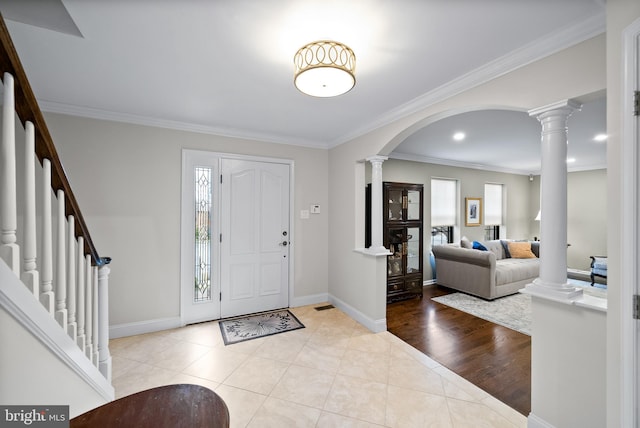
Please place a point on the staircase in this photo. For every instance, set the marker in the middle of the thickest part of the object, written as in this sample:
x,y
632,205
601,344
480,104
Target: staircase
x,y
53,284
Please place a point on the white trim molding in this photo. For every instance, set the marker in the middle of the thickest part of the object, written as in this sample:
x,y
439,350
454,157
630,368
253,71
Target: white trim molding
x,y
629,381
143,327
534,421
313,299
375,326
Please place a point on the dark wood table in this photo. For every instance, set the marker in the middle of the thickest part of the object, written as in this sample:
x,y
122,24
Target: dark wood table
x,y
170,406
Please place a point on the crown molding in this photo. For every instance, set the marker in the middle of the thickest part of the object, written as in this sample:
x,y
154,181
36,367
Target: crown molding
x,y
93,113
482,167
534,51
458,164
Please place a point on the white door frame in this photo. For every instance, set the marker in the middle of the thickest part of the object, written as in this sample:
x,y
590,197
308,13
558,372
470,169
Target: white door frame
x,y
630,216
185,230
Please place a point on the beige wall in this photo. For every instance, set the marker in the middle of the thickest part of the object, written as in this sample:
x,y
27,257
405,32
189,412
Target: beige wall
x,y
127,179
567,387
586,217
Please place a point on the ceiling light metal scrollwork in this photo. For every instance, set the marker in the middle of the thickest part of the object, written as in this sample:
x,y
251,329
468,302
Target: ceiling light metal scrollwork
x,y
324,69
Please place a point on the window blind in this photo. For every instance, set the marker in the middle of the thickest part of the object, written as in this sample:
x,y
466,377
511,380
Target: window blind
x,y
443,202
493,204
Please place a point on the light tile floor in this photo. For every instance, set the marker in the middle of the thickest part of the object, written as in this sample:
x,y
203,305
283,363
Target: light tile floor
x,y
333,373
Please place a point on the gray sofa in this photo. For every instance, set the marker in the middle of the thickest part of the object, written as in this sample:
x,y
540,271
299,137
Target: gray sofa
x,y
488,274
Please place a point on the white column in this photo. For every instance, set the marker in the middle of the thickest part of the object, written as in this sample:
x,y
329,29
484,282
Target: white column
x,y
104,357
552,282
30,276
61,266
376,204
47,297
9,250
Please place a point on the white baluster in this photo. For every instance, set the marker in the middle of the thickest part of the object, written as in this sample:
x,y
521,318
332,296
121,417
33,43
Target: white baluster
x,y
9,250
30,276
72,325
96,317
103,326
61,268
47,297
88,273
80,340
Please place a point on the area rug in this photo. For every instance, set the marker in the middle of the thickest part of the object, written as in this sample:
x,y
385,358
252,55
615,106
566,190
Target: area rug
x,y
235,330
513,311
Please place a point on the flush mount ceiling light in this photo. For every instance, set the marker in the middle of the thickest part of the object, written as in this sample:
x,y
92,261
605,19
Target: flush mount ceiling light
x,y
324,69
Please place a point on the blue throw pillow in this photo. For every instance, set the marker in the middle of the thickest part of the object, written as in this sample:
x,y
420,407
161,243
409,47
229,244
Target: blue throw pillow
x,y
479,246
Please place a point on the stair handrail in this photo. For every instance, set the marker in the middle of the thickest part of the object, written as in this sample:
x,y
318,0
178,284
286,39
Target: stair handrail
x,y
27,109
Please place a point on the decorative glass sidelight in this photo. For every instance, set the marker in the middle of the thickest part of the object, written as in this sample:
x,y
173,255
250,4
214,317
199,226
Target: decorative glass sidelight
x,y
202,198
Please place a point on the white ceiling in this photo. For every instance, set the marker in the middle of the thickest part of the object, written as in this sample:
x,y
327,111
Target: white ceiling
x,y
226,67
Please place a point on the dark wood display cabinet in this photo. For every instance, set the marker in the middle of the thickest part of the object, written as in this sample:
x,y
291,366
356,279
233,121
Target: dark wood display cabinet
x,y
402,235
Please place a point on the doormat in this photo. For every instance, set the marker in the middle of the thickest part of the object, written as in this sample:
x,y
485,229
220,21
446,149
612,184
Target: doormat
x,y
250,327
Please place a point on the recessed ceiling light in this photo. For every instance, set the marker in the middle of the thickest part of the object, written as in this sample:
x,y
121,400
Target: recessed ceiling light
x,y
600,137
459,136
571,160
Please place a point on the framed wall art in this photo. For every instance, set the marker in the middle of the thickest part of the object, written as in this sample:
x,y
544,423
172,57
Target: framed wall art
x,y
472,211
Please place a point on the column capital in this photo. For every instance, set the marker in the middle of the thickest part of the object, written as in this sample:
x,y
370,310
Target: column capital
x,y
377,159
565,106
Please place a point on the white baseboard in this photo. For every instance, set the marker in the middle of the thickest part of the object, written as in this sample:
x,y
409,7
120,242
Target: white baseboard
x,y
534,421
375,326
314,299
150,326
142,327
429,282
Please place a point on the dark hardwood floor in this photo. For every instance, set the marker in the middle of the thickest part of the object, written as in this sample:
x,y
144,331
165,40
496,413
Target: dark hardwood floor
x,y
494,358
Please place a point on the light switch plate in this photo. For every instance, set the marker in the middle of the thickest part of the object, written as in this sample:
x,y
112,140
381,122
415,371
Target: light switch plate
x,y
315,209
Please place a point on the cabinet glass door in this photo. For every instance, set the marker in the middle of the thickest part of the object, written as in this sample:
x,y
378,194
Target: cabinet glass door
x,y
396,246
413,249
395,204
413,205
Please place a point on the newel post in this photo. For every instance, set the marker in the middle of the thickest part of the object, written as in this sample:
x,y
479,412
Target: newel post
x,y
104,357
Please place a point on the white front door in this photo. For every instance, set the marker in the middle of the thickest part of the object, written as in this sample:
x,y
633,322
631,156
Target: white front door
x,y
255,236
235,236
